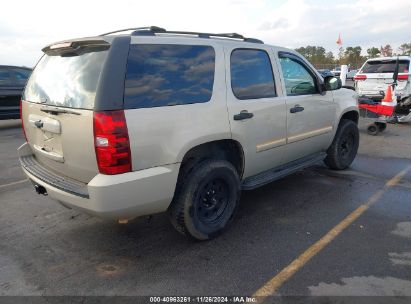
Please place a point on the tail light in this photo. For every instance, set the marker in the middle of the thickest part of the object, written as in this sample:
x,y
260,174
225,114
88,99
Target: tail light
x,y
360,77
111,142
402,77
22,120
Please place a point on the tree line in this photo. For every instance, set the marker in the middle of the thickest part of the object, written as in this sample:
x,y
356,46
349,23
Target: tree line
x,y
351,55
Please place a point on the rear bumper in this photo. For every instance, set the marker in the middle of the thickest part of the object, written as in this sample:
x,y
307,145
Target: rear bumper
x,y
122,196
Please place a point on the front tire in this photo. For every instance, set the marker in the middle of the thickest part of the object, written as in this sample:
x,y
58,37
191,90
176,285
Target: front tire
x,y
344,147
206,200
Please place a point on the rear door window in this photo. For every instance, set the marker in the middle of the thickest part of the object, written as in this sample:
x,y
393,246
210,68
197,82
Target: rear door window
x,y
166,75
251,74
385,66
66,81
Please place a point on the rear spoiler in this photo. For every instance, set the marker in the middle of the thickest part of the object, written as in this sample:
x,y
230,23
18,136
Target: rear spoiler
x,y
76,47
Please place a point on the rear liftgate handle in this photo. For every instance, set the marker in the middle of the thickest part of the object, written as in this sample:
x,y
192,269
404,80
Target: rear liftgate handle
x,y
296,108
243,115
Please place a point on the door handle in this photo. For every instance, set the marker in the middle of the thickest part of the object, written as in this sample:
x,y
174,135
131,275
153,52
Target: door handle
x,y
243,115
296,108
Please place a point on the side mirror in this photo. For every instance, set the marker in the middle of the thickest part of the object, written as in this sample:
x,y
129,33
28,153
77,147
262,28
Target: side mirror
x,y
332,83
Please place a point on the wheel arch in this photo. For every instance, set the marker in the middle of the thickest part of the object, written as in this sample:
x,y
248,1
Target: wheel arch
x,y
223,149
350,114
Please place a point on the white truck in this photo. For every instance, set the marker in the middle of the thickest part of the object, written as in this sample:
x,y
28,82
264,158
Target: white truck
x,y
377,73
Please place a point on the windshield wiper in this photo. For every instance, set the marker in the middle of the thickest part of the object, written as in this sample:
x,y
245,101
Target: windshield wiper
x,y
57,111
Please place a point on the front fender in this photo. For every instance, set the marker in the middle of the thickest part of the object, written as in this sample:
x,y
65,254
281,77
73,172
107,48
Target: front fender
x,y
346,101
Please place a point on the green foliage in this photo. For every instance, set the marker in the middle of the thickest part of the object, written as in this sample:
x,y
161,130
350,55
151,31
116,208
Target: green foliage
x,y
405,49
351,55
320,58
316,54
386,51
373,52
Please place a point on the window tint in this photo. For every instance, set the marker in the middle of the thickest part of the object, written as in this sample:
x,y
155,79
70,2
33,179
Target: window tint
x,y
21,75
166,75
251,74
4,76
379,66
66,81
298,80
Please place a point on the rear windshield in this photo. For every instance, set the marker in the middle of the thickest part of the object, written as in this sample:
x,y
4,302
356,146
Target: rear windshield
x,y
66,81
380,66
165,75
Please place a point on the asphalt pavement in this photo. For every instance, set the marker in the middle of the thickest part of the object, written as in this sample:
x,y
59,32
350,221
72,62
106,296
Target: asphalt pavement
x,y
46,249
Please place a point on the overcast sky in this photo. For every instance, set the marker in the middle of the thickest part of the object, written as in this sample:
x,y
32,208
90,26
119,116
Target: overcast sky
x,y
27,26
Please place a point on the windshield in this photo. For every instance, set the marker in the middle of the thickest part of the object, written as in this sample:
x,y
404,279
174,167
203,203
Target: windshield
x,y
379,66
66,81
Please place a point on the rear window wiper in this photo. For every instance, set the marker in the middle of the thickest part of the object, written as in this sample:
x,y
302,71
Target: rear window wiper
x,y
57,111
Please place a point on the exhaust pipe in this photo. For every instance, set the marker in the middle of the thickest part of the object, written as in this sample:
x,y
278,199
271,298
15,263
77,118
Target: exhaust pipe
x,y
40,189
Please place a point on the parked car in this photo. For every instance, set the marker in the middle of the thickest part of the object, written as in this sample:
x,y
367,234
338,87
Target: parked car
x,y
377,73
124,125
336,71
12,81
351,74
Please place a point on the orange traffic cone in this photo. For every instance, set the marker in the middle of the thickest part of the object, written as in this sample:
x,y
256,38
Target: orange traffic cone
x,y
387,104
388,95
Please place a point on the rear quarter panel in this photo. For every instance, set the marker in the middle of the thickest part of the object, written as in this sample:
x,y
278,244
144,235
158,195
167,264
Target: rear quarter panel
x,y
163,135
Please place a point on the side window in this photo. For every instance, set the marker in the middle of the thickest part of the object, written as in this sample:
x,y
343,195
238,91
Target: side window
x,y
21,75
251,74
298,80
4,76
167,74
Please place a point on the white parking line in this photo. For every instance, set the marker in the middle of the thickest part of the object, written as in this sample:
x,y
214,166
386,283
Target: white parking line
x,y
13,183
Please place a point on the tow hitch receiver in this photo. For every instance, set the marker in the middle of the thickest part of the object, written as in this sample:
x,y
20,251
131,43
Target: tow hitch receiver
x,y
40,189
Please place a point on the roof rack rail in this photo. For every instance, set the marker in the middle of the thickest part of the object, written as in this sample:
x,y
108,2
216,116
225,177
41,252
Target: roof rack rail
x,y
152,30
238,36
149,29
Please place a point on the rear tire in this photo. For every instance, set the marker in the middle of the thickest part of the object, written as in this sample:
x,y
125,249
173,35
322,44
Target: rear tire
x,y
207,199
344,147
